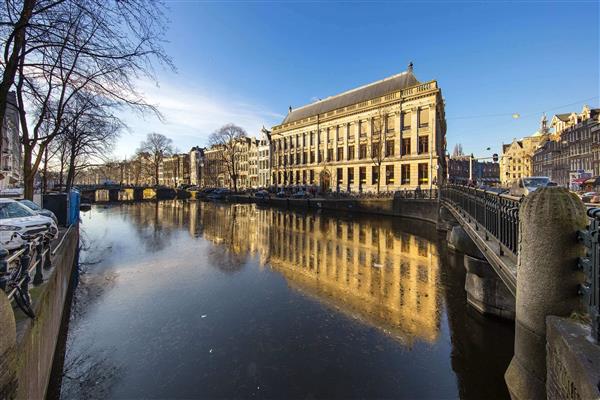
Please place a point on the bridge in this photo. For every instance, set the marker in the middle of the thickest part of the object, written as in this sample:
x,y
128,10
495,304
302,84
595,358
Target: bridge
x,y
546,250
492,221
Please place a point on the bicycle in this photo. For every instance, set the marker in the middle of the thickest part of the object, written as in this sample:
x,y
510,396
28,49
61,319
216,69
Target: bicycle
x,y
18,278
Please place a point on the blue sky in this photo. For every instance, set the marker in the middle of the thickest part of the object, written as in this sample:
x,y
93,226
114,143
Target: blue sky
x,y
246,62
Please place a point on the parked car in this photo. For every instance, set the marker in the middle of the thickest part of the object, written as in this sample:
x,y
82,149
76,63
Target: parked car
x,y
527,185
301,194
219,194
281,194
262,194
16,217
589,196
42,211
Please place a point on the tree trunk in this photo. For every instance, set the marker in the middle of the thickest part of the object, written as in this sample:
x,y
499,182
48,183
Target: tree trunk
x,y
71,171
12,64
378,177
45,177
28,177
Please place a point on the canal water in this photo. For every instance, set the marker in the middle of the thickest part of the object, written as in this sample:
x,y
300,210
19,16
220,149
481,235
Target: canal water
x,y
206,300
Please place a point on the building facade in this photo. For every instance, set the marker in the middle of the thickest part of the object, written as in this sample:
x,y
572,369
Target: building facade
x,y
264,159
175,170
388,134
517,157
572,156
461,169
11,159
196,165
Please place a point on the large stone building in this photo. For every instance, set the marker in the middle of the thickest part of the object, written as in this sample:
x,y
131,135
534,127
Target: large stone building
x,y
390,132
11,158
572,157
517,157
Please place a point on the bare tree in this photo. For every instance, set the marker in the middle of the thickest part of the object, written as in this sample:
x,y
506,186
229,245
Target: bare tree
x,y
229,138
380,148
157,147
97,46
91,136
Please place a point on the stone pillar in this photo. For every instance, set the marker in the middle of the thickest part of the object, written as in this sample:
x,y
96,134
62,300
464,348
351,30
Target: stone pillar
x,y
485,290
547,283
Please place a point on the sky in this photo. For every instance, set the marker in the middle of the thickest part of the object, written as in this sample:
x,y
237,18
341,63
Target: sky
x,y
246,62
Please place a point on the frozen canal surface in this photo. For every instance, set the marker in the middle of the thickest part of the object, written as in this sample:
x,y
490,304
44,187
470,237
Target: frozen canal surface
x,y
202,300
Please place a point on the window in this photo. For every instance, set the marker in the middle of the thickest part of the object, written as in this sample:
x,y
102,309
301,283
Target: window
x,y
14,210
362,173
297,177
423,144
424,117
312,157
390,123
363,128
350,153
374,175
350,175
320,159
405,146
304,177
329,154
312,176
406,116
340,153
423,174
340,175
405,174
389,174
305,158
375,150
362,151
389,148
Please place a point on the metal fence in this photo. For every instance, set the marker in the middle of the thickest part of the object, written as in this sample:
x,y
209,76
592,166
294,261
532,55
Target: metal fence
x,y
590,264
497,213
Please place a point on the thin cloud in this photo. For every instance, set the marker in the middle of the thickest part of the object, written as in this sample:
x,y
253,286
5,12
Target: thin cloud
x,y
190,115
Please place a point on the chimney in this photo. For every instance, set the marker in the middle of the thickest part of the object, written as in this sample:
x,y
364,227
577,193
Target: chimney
x,y
410,67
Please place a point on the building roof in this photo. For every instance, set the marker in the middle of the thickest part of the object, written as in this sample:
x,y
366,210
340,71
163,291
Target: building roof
x,y
353,96
563,117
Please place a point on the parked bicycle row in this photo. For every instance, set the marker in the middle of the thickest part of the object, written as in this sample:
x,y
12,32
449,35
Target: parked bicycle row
x,y
26,231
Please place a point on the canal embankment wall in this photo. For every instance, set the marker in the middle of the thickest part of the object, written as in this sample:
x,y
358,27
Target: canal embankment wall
x,y
27,346
421,209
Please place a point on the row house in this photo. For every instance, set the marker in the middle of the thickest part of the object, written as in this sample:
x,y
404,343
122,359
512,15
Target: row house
x,y
388,134
175,170
572,157
462,168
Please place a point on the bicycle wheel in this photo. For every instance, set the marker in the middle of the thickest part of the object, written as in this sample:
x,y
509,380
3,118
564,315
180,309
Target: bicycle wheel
x,y
24,302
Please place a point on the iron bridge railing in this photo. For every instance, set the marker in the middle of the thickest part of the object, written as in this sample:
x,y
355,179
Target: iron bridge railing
x,y
590,264
497,214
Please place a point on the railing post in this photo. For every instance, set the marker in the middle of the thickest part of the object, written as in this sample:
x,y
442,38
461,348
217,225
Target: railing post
x,y
3,267
47,258
38,278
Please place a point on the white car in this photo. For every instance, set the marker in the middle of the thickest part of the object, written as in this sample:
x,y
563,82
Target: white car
x,y
15,217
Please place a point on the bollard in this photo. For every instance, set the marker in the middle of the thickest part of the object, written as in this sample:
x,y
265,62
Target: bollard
x,y
547,284
3,268
38,278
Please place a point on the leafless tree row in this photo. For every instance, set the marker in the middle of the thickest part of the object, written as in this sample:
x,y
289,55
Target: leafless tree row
x,y
72,63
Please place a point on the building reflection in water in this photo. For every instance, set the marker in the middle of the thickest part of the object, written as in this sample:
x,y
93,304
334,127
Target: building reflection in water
x,y
364,267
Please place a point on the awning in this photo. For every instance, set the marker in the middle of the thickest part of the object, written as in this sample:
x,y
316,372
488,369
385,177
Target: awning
x,y
579,181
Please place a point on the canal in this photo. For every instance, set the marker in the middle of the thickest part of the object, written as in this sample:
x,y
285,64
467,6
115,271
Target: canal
x,y
204,300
